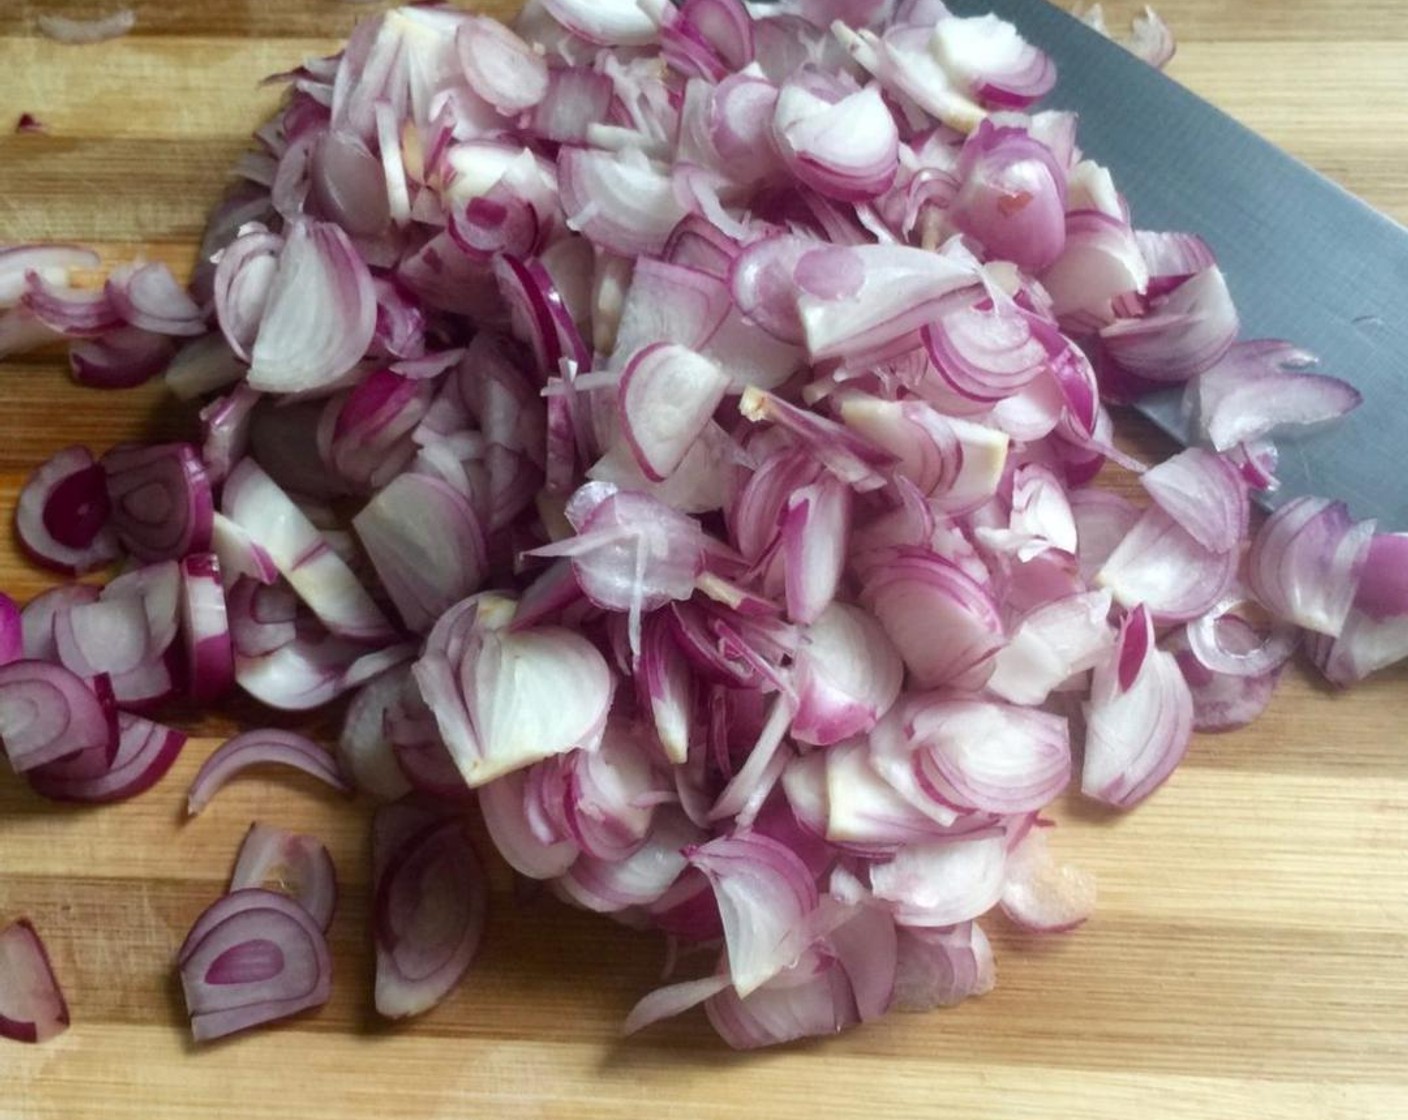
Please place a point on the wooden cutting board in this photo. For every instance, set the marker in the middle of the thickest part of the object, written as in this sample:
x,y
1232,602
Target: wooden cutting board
x,y
1250,954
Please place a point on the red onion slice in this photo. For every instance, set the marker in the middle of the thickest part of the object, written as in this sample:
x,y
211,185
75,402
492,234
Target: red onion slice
x,y
815,533
847,149
145,751
210,657
500,66
257,748
298,866
32,1005
37,618
1208,642
812,998
618,200
643,878
674,999
112,637
149,297
1186,332
252,958
254,502
320,314
1012,194
989,58
863,810
161,500
899,290
506,816
847,675
1052,643
1306,561
978,756
667,396
1204,493
201,366
12,637
1101,262
666,684
47,713
428,912
1263,387
364,749
238,554
918,594
1161,565
62,516
244,275
1226,701
427,545
765,895
1139,719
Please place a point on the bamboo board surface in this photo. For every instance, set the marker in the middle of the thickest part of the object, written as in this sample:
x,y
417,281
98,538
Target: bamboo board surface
x,y
1250,953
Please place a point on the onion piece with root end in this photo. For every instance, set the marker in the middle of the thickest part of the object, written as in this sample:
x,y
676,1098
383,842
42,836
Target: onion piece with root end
x,y
32,1006
298,866
1042,895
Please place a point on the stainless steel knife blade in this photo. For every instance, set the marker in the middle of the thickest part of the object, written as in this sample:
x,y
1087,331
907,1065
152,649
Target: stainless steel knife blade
x,y
1306,260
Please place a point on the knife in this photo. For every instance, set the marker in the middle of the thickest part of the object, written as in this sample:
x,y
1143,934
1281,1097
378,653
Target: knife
x,y
1306,260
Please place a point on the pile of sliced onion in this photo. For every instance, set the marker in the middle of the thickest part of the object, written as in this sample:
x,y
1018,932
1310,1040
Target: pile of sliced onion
x,y
676,430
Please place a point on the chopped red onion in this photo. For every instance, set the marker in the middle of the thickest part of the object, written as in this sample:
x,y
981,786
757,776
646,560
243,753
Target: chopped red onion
x,y
765,893
428,908
12,636
254,502
63,516
1139,719
210,658
255,956
1263,387
482,298
1306,562
257,748
298,866
319,314
46,713
144,752
161,501
32,1005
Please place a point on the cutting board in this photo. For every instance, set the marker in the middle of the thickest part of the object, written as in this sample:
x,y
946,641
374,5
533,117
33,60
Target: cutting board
x,y
1250,954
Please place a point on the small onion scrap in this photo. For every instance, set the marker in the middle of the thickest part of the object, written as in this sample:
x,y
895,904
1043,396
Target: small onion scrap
x,y
32,1006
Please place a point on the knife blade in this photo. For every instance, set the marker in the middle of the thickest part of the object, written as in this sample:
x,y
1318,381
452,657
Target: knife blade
x,y
1306,260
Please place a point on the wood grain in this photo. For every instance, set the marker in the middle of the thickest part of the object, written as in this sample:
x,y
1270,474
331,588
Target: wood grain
x,y
1250,955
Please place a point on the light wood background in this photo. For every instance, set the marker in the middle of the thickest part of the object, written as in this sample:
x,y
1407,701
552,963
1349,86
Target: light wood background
x,y
1250,954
